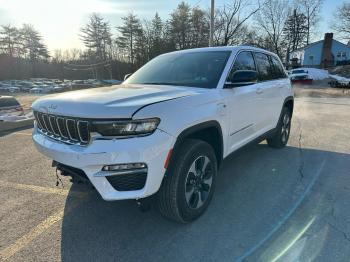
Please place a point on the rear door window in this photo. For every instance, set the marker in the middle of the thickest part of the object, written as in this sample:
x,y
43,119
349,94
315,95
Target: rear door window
x,y
278,68
265,68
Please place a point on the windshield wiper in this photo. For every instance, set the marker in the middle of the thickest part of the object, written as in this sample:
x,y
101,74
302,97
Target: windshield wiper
x,y
160,83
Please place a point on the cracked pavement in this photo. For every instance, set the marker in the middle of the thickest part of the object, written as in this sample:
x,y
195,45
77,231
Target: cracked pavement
x,y
270,205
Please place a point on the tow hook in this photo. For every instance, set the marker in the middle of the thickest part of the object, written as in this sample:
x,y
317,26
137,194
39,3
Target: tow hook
x,y
144,204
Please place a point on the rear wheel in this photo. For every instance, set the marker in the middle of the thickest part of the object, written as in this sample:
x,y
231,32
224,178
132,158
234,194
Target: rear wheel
x,y
281,136
188,186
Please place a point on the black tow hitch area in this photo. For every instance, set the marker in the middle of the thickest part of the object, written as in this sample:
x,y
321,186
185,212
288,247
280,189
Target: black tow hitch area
x,y
144,204
77,175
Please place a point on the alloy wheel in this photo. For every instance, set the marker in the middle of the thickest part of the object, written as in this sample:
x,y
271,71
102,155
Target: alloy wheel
x,y
285,128
198,182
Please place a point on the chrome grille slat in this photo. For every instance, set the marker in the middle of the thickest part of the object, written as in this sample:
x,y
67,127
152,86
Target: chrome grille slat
x,y
64,129
41,121
61,127
72,129
52,121
37,120
81,129
44,117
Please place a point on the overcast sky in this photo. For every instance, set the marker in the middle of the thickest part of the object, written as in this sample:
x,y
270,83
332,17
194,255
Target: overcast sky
x,y
59,21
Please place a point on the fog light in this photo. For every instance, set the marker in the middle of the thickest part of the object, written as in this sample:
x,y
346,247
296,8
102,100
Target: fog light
x,y
122,167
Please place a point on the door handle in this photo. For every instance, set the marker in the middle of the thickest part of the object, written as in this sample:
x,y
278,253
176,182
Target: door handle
x,y
259,90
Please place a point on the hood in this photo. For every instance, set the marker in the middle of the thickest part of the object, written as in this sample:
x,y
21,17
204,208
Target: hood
x,y
120,101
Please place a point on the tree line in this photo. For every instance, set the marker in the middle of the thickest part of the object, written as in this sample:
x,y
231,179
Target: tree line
x,y
280,26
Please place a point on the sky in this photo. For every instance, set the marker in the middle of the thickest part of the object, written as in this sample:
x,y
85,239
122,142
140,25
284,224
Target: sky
x,y
59,21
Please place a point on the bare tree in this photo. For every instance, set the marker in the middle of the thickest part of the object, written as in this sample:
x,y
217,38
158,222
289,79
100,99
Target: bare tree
x,y
230,18
271,19
311,9
342,22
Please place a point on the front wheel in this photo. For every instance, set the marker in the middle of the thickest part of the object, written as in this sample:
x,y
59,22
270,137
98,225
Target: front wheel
x,y
281,136
188,186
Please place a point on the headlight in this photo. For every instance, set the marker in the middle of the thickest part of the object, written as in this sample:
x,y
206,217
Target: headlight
x,y
126,127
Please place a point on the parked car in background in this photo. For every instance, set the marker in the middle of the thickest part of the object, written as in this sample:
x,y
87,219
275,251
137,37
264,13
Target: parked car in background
x,y
9,106
14,89
300,76
42,89
45,86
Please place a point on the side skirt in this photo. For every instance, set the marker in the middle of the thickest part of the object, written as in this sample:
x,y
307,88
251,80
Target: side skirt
x,y
257,140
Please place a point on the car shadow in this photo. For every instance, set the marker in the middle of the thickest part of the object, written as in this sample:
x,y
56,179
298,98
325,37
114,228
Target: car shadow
x,y
257,187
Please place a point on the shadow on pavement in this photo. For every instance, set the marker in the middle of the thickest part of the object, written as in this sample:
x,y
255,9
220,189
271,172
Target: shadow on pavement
x,y
259,191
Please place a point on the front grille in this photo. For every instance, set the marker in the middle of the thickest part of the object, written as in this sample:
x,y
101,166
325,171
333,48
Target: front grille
x,y
65,129
128,182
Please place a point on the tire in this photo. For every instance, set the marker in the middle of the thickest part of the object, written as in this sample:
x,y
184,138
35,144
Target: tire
x,y
193,169
281,136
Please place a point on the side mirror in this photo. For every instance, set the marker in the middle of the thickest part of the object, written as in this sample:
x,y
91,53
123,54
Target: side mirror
x,y
127,76
242,78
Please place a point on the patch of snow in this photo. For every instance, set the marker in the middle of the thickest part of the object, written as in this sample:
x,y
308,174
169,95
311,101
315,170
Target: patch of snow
x,y
9,118
317,74
12,118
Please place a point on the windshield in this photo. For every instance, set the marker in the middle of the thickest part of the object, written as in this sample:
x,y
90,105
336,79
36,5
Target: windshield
x,y
298,72
197,69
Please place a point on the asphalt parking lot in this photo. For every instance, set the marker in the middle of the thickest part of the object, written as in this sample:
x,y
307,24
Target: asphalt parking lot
x,y
270,205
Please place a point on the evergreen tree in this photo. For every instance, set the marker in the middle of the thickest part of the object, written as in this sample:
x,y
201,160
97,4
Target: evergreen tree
x,y
295,31
180,26
9,40
97,37
130,36
32,46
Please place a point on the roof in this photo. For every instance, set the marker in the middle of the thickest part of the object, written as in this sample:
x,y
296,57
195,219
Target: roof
x,y
309,45
224,48
314,43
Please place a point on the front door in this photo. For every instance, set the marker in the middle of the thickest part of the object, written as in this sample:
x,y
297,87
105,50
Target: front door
x,y
243,104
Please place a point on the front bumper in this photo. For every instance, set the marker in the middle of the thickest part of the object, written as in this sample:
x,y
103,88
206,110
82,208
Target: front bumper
x,y
151,150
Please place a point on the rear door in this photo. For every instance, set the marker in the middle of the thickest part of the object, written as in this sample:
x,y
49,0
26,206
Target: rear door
x,y
268,92
280,82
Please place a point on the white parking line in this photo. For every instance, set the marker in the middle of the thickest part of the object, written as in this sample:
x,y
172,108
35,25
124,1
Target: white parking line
x,y
45,190
36,231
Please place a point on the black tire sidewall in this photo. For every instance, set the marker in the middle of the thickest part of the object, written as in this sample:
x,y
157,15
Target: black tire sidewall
x,y
285,112
275,141
198,149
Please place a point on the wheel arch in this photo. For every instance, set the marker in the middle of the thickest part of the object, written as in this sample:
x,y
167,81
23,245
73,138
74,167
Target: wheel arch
x,y
209,131
289,103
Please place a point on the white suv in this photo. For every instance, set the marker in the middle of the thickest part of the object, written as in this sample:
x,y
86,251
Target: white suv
x,y
168,127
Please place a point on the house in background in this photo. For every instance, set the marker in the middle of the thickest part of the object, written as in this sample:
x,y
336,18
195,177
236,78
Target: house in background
x,y
323,53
